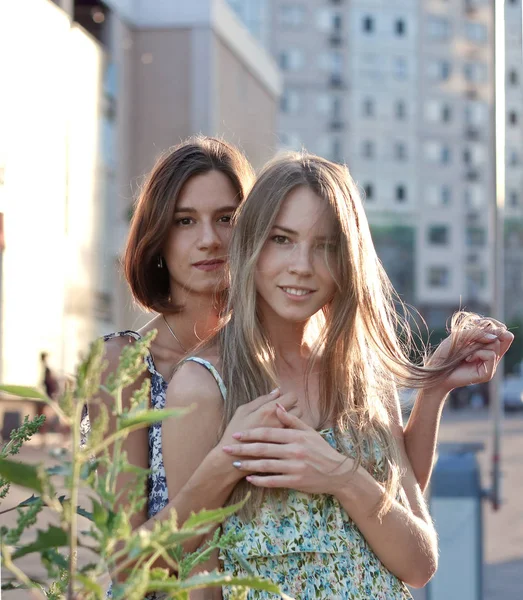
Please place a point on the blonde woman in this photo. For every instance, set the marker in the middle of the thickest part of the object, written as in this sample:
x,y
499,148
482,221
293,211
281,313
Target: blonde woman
x,y
335,510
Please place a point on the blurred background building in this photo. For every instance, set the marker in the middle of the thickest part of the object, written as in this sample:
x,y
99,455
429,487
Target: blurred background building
x,y
403,92
93,92
96,90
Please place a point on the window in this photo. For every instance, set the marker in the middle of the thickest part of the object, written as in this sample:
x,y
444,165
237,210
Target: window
x,y
513,77
337,108
438,276
291,60
476,113
513,199
331,62
513,158
475,72
337,23
368,24
400,151
476,281
290,102
439,69
445,155
401,193
438,235
438,28
437,196
513,117
400,110
474,196
368,149
400,27
446,113
476,32
476,236
437,152
400,67
292,15
368,188
337,152
368,107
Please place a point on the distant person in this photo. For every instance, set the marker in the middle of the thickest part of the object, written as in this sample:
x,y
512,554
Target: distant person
x,y
51,387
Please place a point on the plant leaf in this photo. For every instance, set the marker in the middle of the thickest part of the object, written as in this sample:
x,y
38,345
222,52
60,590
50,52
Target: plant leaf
x,y
21,473
89,584
53,537
211,517
24,391
148,417
213,579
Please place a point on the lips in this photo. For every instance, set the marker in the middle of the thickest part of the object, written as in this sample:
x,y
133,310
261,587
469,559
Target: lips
x,y
211,261
211,264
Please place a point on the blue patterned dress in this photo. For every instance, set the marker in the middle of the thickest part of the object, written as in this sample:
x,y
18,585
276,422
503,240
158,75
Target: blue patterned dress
x,y
157,482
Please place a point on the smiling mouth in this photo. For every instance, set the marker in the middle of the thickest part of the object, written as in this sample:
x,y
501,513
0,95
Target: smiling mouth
x,y
297,291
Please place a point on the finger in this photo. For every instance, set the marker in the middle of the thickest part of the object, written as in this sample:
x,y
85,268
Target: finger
x,y
273,481
267,434
259,449
482,355
505,340
291,421
262,400
267,465
288,400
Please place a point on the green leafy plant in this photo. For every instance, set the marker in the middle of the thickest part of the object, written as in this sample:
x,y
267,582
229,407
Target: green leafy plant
x,y
91,471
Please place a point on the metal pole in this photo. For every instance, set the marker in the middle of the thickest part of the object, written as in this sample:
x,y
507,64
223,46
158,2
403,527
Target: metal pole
x,y
498,228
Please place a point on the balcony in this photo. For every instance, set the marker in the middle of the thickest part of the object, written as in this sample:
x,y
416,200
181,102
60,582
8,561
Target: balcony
x,y
336,81
336,124
335,39
472,133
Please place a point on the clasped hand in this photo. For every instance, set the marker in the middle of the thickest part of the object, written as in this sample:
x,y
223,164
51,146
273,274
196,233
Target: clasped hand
x,y
295,457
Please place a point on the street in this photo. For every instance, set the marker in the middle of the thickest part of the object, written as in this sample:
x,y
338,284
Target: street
x,y
503,530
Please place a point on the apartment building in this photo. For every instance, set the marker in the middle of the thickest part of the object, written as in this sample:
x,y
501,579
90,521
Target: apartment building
x,y
403,92
93,93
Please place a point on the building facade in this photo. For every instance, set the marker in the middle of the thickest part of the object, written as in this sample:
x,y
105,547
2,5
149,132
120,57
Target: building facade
x,y
96,91
403,93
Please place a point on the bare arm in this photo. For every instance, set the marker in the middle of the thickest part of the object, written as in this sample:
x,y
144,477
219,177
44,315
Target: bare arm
x,y
421,431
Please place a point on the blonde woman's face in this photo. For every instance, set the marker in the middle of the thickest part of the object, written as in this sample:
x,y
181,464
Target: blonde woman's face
x,y
297,265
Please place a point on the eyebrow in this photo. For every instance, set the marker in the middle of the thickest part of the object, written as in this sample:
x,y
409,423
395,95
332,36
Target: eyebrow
x,y
189,209
292,232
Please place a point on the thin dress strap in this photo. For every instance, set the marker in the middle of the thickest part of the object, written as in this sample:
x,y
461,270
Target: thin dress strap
x,y
212,370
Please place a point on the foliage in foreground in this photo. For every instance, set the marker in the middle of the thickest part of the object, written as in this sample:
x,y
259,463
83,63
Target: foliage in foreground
x,y
107,535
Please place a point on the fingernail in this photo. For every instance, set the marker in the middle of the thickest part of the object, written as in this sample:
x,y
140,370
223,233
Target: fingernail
x,y
275,392
237,464
227,449
237,436
280,407
469,358
490,336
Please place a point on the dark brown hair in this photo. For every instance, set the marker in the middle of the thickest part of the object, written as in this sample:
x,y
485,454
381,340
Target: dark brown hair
x,y
154,211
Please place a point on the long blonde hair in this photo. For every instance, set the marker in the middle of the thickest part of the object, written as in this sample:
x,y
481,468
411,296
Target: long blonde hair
x,y
358,348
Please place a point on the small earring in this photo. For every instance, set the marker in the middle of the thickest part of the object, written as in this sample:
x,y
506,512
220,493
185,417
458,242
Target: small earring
x,y
160,262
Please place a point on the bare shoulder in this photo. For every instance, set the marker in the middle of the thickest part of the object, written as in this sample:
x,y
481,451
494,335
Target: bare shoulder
x,y
193,383
113,349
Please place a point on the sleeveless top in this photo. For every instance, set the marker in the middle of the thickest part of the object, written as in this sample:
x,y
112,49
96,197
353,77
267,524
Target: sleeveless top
x,y
306,544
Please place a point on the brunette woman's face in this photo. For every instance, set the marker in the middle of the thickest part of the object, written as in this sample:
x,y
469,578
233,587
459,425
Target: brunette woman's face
x,y
296,270
196,248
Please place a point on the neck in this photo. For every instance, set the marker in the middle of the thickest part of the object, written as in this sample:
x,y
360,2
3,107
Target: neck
x,y
196,322
287,338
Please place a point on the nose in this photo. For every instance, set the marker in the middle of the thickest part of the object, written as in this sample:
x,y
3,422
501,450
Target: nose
x,y
209,238
300,262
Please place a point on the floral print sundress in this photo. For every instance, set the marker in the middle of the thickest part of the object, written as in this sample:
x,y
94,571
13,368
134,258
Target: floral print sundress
x,y
308,545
